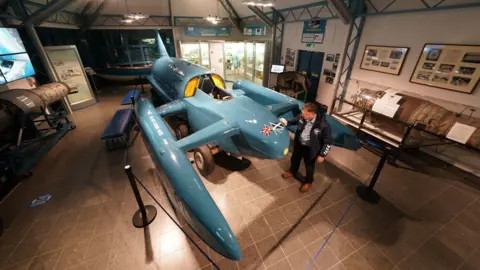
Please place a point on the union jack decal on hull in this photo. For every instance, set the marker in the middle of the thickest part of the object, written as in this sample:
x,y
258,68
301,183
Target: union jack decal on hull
x,y
266,130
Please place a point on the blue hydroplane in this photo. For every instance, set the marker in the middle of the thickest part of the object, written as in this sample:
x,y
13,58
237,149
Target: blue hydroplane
x,y
243,121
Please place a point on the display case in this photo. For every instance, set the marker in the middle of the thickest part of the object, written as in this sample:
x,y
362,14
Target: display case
x,y
404,120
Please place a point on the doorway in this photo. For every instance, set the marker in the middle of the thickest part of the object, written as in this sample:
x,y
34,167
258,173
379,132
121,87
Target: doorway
x,y
311,64
216,57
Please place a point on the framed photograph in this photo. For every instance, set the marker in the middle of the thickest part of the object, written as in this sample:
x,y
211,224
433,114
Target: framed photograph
x,y
330,57
329,80
384,59
448,66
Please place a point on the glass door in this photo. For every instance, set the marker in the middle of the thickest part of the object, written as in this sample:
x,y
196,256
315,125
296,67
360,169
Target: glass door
x,y
259,61
216,57
234,61
250,59
205,61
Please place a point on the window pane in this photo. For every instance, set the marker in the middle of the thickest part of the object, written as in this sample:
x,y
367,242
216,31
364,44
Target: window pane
x,y
259,59
235,61
205,54
136,55
151,54
191,52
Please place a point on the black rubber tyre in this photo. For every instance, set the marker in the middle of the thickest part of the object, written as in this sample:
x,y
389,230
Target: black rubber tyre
x,y
204,160
181,131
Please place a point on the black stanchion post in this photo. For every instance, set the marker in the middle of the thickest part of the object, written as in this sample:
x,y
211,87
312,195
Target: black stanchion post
x,y
145,214
367,193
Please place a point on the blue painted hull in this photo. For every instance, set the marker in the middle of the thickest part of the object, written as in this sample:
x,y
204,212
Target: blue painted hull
x,y
184,187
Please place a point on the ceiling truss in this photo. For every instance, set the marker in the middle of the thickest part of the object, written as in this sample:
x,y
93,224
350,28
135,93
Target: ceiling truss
x,y
395,6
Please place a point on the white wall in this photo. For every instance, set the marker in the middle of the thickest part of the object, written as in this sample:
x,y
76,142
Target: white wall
x,y
333,43
414,30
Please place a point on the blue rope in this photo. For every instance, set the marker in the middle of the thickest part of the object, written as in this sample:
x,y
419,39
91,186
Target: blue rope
x,y
331,233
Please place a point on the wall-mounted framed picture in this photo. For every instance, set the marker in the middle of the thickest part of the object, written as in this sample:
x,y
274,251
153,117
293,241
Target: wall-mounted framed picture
x,y
384,59
447,66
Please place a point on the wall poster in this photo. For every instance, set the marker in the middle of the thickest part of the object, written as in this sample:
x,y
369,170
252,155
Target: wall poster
x,y
313,31
69,69
451,67
384,59
255,31
290,57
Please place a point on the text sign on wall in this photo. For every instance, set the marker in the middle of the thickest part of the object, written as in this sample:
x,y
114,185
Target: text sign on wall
x,y
313,31
255,31
199,31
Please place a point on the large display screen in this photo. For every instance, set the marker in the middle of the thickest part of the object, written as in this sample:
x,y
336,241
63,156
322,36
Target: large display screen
x,y
14,61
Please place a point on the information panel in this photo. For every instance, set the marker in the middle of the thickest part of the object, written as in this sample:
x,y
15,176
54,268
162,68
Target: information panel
x,y
69,69
204,31
313,31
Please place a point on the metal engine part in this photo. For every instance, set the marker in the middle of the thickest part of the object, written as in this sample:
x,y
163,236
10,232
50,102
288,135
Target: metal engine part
x,y
17,102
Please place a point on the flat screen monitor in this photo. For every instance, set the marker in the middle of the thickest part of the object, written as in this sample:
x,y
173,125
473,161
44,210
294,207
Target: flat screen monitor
x,y
277,68
16,66
14,61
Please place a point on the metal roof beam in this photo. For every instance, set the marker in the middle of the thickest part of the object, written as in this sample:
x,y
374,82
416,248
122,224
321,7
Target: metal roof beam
x,y
48,10
261,16
18,8
86,8
90,20
232,14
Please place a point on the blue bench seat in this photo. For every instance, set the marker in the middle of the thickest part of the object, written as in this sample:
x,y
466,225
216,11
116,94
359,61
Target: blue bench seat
x,y
118,129
127,100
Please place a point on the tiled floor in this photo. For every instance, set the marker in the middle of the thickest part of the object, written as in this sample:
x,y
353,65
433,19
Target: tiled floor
x,y
429,217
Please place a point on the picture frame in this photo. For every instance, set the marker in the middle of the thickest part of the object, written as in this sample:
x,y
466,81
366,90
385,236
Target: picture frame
x,y
454,67
384,59
330,57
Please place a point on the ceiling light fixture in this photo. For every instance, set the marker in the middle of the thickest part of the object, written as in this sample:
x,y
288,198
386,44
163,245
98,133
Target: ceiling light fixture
x,y
136,16
127,20
259,3
213,19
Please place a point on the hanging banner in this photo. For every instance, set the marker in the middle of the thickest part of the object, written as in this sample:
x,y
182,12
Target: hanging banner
x,y
255,31
313,31
204,31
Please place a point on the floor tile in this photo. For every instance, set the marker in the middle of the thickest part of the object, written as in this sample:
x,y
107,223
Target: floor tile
x,y
323,255
321,224
26,250
99,263
300,260
251,259
281,265
355,262
306,232
277,221
459,239
289,241
292,213
432,255
72,255
259,229
339,245
46,261
473,262
99,246
375,257
270,251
